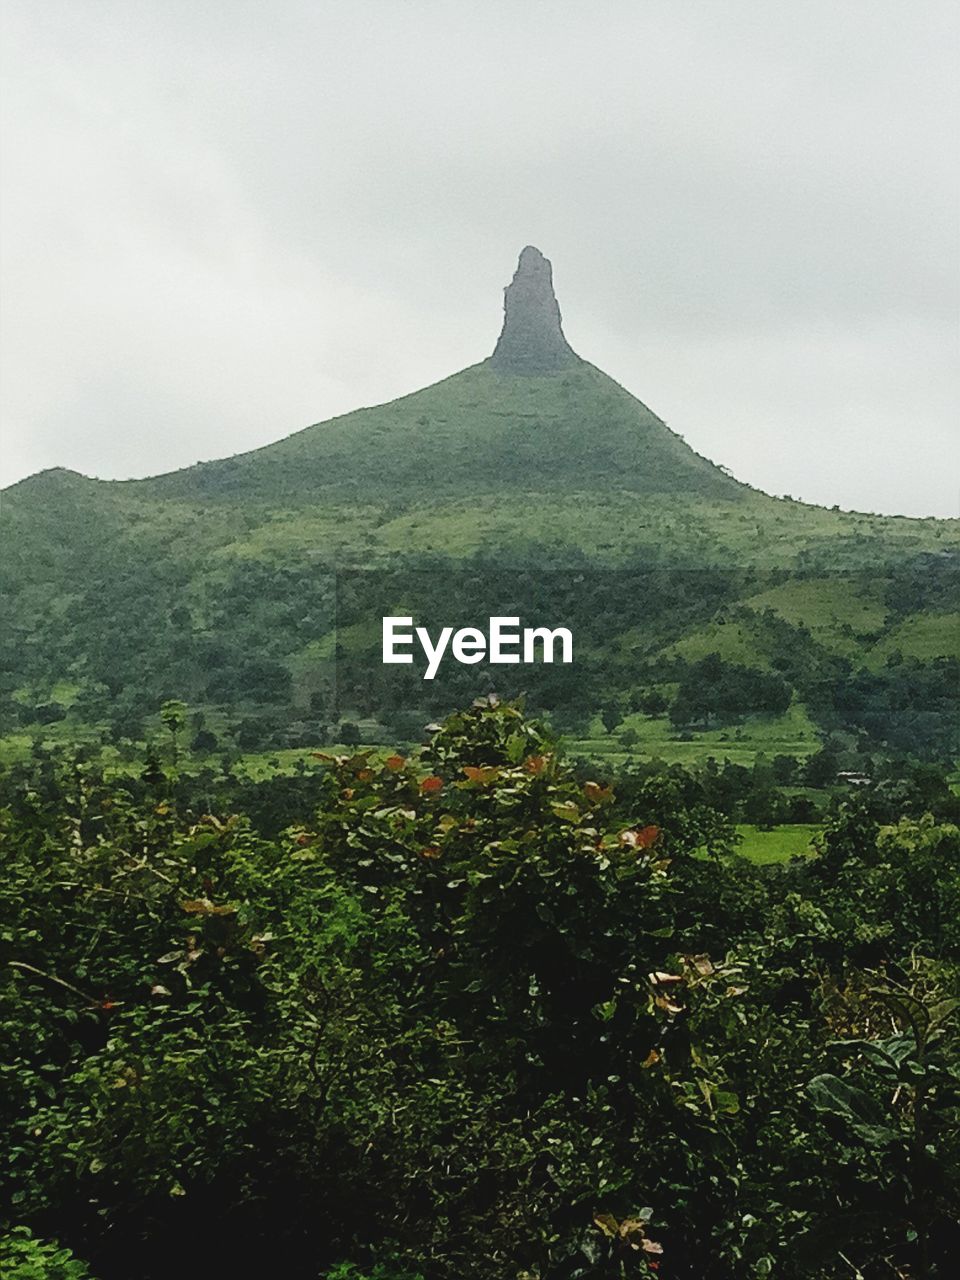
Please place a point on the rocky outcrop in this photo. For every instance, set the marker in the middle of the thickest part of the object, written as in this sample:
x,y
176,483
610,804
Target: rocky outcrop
x,y
532,340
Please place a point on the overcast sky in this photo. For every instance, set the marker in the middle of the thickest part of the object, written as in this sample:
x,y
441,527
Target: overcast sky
x,y
223,221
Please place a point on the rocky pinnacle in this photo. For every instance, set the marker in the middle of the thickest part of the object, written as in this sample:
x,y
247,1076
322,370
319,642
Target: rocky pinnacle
x,y
532,340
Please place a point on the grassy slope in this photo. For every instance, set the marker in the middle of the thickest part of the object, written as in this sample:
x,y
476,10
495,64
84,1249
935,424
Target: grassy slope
x,y
473,433
843,613
923,636
568,461
550,471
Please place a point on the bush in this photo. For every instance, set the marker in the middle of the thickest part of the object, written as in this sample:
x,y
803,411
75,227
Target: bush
x,y
477,1015
23,1257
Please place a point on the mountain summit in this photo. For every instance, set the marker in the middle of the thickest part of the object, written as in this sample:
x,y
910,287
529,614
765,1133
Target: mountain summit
x,y
532,340
534,417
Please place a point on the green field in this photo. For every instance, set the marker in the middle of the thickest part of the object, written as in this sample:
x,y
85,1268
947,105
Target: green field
x,y
792,734
779,845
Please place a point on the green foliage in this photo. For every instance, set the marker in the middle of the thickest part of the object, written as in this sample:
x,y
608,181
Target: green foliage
x,y
475,1012
712,688
349,1271
23,1257
893,1115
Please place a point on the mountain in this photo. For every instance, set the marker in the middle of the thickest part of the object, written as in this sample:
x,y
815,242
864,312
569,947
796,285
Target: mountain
x,y
529,483
533,416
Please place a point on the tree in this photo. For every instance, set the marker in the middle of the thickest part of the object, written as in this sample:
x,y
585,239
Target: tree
x,y
820,769
652,703
205,741
173,716
427,1011
610,716
784,769
49,712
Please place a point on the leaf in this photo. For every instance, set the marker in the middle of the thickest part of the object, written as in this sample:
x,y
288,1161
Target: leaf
x,y
943,1009
606,1010
906,1006
888,1055
358,760
667,1005
482,775
632,1227
831,1094
702,963
535,764
876,1135
607,1224
204,907
566,810
640,839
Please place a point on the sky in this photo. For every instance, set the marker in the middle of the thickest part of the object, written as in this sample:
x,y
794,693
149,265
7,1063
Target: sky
x,y
222,222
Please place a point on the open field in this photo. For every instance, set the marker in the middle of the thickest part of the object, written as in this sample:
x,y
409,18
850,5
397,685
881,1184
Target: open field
x,y
792,734
779,845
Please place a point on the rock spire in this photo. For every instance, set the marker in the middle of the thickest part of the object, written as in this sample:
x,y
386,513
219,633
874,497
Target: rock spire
x,y
532,340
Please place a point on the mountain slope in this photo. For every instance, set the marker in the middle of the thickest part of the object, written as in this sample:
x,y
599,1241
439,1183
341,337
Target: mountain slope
x,y
530,483
480,431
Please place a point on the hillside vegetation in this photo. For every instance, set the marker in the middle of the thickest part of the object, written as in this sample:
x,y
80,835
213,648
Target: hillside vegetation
x,y
253,586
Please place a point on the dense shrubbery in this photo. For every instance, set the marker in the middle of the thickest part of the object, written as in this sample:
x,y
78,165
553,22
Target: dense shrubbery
x,y
910,705
715,691
479,1016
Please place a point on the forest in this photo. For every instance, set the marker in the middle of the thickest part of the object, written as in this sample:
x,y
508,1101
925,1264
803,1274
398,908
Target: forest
x,y
469,1010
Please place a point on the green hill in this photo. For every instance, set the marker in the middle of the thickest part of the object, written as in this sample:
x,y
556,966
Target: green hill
x,y
478,432
529,483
